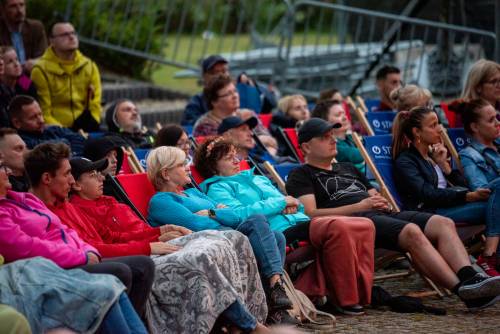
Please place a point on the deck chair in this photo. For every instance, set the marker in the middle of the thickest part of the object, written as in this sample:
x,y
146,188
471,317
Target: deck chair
x,y
142,155
361,116
266,119
450,115
368,104
138,189
133,162
455,140
381,121
249,97
380,151
289,136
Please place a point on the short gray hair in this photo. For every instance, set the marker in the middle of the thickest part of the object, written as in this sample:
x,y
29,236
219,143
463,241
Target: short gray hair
x,y
160,158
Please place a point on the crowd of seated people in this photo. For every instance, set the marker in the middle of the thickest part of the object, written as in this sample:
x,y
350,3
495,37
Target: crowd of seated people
x,y
60,215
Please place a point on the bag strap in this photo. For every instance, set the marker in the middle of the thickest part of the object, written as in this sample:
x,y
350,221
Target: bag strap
x,y
304,308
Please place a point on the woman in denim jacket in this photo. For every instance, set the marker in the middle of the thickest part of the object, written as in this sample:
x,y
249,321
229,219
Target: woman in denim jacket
x,y
481,158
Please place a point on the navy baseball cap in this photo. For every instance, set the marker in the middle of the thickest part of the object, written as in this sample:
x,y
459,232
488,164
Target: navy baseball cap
x,y
84,165
315,127
210,61
232,122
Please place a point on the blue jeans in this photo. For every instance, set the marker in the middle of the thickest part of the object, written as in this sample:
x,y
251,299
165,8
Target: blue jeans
x,y
122,318
239,316
479,212
268,246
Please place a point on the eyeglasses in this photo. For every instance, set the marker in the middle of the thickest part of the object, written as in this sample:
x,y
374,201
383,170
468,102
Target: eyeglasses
x,y
183,143
95,174
66,34
230,93
494,82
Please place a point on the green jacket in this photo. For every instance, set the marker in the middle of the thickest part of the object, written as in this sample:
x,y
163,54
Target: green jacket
x,y
348,152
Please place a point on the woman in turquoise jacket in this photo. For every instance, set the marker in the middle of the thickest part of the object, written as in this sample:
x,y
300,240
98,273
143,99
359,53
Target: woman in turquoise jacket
x,y
344,245
169,173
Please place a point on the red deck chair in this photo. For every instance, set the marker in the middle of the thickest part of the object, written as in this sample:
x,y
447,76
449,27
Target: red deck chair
x,y
291,134
138,189
450,115
266,119
347,110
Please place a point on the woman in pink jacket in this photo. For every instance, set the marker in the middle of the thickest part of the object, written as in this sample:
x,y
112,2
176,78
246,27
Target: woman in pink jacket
x,y
29,229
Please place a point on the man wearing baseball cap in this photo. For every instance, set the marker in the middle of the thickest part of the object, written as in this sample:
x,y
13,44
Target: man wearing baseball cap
x,y
328,188
239,132
212,66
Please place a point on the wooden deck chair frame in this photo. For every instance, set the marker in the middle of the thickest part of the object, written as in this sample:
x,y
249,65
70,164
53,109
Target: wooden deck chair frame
x,y
360,114
134,163
361,103
451,148
275,176
384,190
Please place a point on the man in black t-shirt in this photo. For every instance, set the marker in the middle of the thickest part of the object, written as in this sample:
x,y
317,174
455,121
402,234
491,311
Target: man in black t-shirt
x,y
327,189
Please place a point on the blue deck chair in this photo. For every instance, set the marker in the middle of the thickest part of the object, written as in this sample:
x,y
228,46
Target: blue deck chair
x,y
379,148
249,97
381,121
142,155
372,104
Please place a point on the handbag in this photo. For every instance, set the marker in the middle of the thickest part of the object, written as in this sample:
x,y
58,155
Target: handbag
x,y
304,309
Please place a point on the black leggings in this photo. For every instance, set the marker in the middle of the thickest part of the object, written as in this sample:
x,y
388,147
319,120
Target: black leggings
x,y
135,272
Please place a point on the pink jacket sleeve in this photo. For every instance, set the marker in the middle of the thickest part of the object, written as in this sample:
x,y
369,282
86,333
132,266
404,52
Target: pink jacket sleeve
x,y
16,244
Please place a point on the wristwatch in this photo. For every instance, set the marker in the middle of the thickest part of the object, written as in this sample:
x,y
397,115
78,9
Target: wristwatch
x,y
211,213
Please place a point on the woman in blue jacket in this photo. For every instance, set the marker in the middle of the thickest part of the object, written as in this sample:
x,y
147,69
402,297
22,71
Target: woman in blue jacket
x,y
169,173
426,181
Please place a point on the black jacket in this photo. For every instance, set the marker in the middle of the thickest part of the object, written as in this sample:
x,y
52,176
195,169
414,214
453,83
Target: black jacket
x,y
417,183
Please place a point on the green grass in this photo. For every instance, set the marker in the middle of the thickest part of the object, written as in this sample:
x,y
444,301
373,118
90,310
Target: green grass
x,y
189,50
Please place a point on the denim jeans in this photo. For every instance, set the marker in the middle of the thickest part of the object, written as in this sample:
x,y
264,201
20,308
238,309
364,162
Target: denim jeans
x,y
479,212
122,318
268,246
239,316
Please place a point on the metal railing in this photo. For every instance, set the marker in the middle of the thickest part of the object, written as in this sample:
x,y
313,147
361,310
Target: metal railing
x,y
302,46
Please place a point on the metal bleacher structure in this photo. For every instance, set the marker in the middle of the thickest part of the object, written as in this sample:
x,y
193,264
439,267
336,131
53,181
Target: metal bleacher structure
x,y
298,46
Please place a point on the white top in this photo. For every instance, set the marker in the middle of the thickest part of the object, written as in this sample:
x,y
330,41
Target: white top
x,y
442,184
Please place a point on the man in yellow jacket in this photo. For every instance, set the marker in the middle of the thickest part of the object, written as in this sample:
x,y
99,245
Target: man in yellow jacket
x,y
68,83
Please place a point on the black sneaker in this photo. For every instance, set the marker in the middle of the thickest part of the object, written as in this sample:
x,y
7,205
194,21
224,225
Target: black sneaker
x,y
477,304
351,310
479,286
278,300
281,317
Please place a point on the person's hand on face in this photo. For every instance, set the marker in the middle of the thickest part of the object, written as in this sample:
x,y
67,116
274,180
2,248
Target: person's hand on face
x,y
439,153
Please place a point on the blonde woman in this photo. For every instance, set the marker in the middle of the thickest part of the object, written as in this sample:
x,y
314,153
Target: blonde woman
x,y
192,209
294,110
409,96
483,82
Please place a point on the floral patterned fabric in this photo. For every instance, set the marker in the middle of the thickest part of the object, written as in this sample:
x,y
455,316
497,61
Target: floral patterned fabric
x,y
194,285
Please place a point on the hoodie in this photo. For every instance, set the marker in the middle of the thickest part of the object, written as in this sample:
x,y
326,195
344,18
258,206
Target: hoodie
x,y
63,88
134,140
28,229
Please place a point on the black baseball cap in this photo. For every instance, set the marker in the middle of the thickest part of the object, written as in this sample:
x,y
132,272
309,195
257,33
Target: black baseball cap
x,y
83,165
232,122
315,127
210,61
